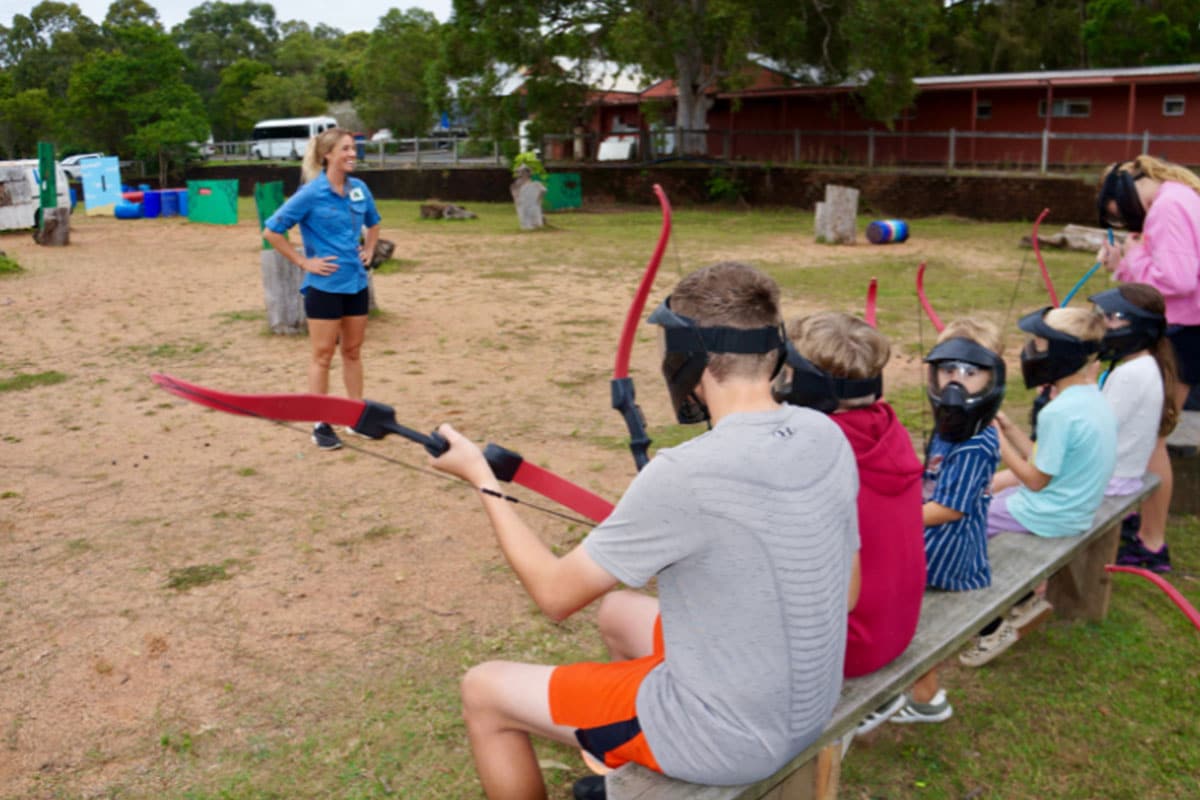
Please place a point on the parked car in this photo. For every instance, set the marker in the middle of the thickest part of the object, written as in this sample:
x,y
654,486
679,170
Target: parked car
x,y
72,166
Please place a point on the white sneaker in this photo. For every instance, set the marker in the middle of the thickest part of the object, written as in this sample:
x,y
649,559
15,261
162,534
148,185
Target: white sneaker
x,y
880,715
985,648
937,709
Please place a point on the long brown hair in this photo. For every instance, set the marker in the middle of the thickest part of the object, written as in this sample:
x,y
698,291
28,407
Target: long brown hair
x,y
1145,296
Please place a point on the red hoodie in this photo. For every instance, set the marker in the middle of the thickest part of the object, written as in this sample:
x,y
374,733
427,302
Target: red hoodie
x,y
892,538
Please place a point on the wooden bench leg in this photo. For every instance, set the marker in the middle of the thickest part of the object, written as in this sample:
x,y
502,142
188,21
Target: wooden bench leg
x,y
816,780
1081,589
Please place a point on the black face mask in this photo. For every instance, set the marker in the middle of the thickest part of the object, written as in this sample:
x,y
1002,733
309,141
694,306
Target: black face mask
x,y
957,414
1065,354
1121,187
813,387
1144,330
687,349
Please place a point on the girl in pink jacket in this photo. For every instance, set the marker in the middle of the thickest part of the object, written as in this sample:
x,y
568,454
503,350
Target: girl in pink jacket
x,y
1159,204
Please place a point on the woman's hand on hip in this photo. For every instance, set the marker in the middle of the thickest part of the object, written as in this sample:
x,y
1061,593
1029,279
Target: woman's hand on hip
x,y
322,265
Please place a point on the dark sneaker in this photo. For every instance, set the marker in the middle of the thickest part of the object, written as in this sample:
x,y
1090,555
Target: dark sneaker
x,y
1136,554
1130,527
324,437
589,788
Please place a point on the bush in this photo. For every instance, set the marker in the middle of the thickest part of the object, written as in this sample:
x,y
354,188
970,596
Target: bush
x,y
528,160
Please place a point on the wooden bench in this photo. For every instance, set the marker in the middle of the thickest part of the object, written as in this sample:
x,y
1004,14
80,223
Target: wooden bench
x,y
1078,587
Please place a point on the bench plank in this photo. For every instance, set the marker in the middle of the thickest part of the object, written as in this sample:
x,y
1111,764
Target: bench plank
x,y
1074,566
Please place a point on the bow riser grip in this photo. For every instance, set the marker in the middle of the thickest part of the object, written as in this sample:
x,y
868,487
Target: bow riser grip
x,y
624,400
504,462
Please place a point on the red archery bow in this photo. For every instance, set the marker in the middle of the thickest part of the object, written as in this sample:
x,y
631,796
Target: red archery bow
x,y
929,312
1037,251
376,420
624,398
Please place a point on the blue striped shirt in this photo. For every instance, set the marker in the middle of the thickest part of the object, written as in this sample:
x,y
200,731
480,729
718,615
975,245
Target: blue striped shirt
x,y
957,476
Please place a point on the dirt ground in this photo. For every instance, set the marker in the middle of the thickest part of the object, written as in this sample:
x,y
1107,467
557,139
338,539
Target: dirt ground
x,y
108,484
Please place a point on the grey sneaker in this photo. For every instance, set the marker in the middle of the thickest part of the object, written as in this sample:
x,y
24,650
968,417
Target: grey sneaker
x,y
880,715
936,710
985,648
324,437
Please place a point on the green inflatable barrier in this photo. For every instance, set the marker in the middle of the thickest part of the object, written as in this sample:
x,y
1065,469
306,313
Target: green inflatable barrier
x,y
268,197
214,202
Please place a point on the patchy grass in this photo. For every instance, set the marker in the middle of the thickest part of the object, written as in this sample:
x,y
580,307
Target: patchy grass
x,y
23,381
190,577
8,266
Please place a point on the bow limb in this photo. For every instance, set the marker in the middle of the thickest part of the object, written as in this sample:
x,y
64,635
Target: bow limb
x,y
376,420
1037,252
624,397
872,295
1087,275
929,312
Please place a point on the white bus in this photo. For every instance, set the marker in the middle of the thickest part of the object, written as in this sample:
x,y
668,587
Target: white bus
x,y
286,138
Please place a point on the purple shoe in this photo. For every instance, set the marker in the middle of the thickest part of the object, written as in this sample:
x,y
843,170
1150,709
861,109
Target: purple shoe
x,y
1135,554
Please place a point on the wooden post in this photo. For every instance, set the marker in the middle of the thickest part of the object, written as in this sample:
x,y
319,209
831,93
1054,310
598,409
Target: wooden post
x,y
55,230
1081,589
281,289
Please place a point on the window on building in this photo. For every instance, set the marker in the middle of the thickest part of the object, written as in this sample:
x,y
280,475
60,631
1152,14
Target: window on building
x,y
1173,105
1068,107
983,109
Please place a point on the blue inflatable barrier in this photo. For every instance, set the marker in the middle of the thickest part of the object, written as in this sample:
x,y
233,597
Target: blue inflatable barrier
x,y
127,210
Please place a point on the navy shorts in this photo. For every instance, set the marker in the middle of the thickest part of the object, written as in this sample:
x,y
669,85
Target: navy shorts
x,y
330,305
1185,340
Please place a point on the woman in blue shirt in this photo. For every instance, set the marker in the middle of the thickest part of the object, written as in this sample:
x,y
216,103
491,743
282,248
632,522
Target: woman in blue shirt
x,y
332,208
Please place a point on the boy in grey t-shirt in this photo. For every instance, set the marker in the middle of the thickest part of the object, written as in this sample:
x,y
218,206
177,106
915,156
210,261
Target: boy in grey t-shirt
x,y
751,531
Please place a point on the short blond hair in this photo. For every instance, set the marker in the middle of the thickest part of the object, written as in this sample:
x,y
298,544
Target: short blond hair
x,y
842,345
981,332
1082,323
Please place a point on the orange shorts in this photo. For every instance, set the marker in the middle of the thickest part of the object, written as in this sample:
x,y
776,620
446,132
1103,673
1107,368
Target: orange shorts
x,y
599,700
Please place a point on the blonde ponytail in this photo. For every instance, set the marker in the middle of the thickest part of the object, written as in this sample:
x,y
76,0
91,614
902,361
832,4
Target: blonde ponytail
x,y
319,146
1161,170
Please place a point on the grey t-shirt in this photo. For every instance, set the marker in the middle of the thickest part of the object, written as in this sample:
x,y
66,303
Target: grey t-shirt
x,y
751,530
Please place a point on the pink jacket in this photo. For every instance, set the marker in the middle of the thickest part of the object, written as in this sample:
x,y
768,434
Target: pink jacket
x,y
1169,255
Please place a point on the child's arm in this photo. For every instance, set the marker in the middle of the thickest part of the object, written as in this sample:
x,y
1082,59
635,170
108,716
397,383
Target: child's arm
x,y
559,586
1015,436
1019,464
937,514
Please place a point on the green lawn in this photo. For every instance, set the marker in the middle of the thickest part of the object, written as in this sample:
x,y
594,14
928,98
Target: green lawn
x,y
1076,711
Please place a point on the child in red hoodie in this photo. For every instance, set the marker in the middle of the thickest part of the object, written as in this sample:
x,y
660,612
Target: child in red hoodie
x,y
835,365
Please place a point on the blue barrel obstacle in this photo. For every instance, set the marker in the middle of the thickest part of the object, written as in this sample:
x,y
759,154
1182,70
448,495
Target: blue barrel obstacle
x,y
887,231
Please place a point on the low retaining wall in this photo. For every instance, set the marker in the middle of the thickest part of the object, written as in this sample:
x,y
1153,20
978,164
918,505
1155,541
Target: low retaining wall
x,y
903,195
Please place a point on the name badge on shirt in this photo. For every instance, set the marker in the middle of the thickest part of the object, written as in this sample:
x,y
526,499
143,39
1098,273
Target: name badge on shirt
x,y
356,194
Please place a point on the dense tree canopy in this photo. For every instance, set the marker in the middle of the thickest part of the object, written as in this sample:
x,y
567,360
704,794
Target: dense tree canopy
x,y
125,85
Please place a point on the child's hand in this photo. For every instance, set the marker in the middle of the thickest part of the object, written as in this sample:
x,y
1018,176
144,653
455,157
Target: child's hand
x,y
1110,255
464,459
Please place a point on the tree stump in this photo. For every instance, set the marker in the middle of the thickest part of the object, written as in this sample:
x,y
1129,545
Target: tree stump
x,y
527,195
836,218
281,290
55,230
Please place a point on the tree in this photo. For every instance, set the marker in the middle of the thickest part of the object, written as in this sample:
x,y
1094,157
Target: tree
x,y
286,96
41,49
134,99
709,45
227,109
216,34
26,118
391,75
1132,33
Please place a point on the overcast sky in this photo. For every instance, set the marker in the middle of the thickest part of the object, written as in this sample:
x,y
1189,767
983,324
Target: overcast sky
x,y
356,16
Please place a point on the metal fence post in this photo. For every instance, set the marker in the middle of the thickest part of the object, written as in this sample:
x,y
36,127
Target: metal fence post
x,y
950,156
454,145
871,148
496,150
417,152
1045,149
1146,141
796,145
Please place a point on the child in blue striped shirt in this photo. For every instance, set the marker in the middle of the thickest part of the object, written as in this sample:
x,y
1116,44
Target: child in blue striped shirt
x,y
966,387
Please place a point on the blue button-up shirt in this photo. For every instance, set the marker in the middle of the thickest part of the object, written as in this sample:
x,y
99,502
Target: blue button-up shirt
x,y
330,225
